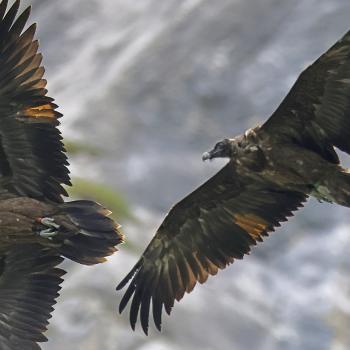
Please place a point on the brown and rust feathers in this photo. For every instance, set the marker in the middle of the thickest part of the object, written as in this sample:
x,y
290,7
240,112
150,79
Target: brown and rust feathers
x,y
222,219
32,157
33,170
203,233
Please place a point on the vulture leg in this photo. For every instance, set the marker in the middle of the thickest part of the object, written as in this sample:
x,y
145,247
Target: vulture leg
x,y
334,188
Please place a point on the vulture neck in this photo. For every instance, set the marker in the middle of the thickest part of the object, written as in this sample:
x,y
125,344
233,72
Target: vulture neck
x,y
246,150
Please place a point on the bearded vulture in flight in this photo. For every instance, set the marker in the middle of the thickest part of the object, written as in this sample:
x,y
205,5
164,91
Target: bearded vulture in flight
x,y
37,229
272,169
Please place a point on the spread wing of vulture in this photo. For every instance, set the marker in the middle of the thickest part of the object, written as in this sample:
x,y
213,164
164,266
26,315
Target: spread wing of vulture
x,y
272,169
37,229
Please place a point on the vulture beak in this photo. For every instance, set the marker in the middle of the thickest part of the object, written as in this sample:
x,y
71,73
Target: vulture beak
x,y
214,153
206,156
221,150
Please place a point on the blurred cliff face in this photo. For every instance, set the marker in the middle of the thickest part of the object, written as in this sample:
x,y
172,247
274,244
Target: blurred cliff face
x,y
154,84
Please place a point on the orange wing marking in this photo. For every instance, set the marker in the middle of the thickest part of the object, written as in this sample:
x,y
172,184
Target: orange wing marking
x,y
43,111
252,224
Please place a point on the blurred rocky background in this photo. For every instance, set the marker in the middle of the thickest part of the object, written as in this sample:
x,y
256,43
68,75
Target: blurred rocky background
x,y
146,87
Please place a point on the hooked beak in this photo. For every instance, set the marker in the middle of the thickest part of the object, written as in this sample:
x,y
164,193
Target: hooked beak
x,y
214,153
206,156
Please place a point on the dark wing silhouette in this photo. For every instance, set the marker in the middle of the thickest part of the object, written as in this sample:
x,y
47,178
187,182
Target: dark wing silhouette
x,y
32,158
29,285
316,111
204,232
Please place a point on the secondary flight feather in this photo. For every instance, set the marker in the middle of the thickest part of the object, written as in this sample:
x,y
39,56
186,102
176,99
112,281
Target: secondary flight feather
x,y
37,228
272,170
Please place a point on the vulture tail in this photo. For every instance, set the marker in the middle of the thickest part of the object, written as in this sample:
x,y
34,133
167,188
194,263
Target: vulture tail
x,y
85,233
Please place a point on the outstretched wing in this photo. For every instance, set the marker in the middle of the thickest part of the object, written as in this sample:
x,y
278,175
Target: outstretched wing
x,y
32,158
29,286
204,232
316,111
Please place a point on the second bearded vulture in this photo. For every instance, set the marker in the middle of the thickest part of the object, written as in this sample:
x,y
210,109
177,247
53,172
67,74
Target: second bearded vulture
x,y
272,169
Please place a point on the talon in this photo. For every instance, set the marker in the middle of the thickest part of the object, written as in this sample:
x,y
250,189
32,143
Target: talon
x,y
49,222
52,229
48,233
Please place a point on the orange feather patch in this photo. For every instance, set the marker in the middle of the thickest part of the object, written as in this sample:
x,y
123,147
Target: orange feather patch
x,y
43,111
252,224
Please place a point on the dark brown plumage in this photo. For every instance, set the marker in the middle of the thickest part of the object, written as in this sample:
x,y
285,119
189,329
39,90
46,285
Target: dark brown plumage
x,y
37,228
29,285
272,169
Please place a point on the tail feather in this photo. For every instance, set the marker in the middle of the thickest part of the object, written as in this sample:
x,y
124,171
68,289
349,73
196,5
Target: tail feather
x,y
87,235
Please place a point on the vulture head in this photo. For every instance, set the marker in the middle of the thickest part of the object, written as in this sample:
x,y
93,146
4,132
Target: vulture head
x,y
223,149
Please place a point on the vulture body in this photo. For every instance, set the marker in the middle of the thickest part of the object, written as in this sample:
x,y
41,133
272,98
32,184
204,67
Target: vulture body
x,y
37,229
272,170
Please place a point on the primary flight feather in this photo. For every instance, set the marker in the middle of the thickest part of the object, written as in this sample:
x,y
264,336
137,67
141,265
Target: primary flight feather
x,y
272,170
